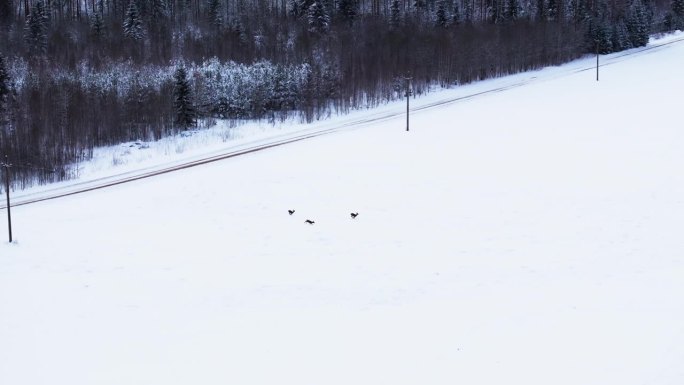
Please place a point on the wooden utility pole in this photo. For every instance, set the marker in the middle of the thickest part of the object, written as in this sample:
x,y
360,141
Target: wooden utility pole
x,y
6,165
597,60
408,94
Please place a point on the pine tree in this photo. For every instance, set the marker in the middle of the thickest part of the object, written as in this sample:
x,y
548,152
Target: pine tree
x,y
395,16
675,19
300,8
441,17
620,38
214,13
541,11
678,8
599,33
97,24
347,10
319,21
240,32
97,19
512,10
185,113
552,10
637,24
456,13
293,8
4,90
496,16
579,11
468,12
36,29
132,24
160,10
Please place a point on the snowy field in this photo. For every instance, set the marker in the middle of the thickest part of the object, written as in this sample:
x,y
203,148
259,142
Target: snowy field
x,y
530,236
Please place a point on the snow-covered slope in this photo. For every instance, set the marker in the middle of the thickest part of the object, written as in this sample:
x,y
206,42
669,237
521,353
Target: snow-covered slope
x,y
131,161
530,236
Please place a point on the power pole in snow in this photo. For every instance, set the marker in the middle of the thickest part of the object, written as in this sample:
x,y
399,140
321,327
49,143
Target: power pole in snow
x,y
7,166
408,94
597,60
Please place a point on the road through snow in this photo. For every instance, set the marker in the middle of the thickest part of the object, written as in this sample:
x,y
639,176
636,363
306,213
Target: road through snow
x,y
352,121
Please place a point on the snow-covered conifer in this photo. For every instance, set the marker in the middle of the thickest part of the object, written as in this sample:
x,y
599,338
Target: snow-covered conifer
x,y
97,23
512,10
35,32
185,113
637,24
620,37
441,17
4,89
456,13
541,10
214,13
552,10
133,24
395,15
347,10
160,9
319,21
678,8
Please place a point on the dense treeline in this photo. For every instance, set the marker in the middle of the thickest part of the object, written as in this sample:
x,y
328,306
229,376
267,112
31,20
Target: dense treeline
x,y
76,74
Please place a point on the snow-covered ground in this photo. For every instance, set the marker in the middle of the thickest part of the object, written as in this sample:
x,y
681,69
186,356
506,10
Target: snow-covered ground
x,y
140,157
529,236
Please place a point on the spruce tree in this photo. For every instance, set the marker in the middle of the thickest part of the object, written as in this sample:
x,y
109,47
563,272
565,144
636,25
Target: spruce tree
x,y
347,10
541,11
4,90
579,11
97,24
468,12
185,113
214,13
637,24
456,13
239,31
319,21
441,17
293,8
675,19
600,33
304,6
512,10
620,38
496,16
35,32
160,10
678,8
132,25
552,10
395,16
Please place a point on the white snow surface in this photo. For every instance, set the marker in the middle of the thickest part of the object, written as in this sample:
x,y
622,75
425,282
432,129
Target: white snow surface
x,y
530,236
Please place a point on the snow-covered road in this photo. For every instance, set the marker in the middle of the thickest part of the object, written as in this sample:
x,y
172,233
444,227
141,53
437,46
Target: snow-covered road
x,y
303,132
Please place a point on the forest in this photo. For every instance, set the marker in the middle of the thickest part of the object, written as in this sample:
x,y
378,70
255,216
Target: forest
x,y
78,74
